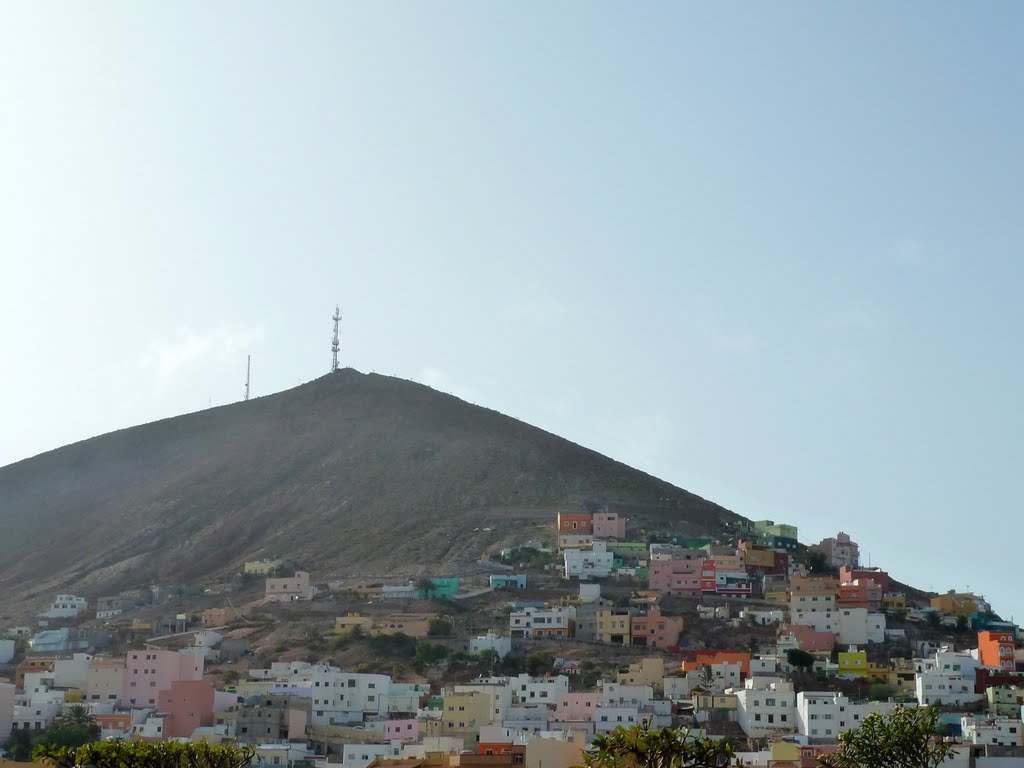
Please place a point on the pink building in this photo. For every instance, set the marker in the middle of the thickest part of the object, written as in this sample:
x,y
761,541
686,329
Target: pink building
x,y
655,630
608,525
807,639
189,704
675,577
149,672
576,707
290,588
841,550
406,731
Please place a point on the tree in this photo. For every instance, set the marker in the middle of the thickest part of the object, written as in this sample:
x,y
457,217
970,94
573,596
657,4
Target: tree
x,y
425,587
72,729
641,747
905,738
707,678
140,754
19,746
800,659
817,563
439,627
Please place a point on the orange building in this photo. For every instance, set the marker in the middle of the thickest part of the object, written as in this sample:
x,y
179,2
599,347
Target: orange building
x,y
812,586
861,593
119,721
996,649
710,658
574,522
32,664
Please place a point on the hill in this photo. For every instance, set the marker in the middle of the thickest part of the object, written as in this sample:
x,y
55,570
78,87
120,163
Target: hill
x,y
348,474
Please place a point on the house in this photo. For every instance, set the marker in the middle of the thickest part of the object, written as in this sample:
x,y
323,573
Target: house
x,y
289,588
766,707
813,602
104,680
655,630
776,535
614,626
850,573
956,603
411,624
213,617
537,690
441,588
947,679
65,607
501,645
272,719
1004,700
859,593
340,698
542,622
507,581
585,630
574,530
264,567
840,551
584,563
997,731
151,671
576,708
675,577
608,525
188,705
853,663
996,649
823,715
648,671
811,640
6,710
352,622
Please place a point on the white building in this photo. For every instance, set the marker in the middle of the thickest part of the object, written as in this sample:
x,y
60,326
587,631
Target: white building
x,y
339,698
66,607
766,706
819,619
852,626
501,645
575,540
405,697
542,622
621,694
608,717
537,690
823,715
593,563
1000,731
947,679
360,755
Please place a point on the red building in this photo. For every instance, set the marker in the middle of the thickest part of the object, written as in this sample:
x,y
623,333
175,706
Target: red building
x,y
995,649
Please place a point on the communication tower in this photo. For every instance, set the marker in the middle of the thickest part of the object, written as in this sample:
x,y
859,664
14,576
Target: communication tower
x,y
336,344
248,363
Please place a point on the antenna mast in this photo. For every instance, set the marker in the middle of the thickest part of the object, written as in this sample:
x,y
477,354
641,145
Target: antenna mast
x,y
248,362
336,344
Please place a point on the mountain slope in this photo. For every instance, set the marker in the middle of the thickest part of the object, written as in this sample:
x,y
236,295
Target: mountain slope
x,y
350,473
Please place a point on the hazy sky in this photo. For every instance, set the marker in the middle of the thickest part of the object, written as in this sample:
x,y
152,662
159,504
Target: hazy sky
x,y
769,252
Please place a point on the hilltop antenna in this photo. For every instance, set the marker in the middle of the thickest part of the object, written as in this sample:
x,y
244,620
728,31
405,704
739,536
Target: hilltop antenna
x,y
336,344
248,362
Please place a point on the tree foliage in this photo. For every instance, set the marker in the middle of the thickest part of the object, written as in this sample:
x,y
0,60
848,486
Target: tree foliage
x,y
438,626
641,747
72,729
800,659
906,738
140,754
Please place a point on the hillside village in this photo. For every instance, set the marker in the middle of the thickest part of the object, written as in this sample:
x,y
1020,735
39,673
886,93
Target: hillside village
x,y
594,624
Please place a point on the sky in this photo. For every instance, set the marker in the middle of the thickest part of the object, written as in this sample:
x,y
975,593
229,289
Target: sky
x,y
771,253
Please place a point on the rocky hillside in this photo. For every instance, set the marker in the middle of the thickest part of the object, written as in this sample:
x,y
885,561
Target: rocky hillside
x,y
349,474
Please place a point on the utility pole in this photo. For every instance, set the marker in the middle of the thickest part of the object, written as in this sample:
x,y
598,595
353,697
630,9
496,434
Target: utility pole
x,y
336,344
248,362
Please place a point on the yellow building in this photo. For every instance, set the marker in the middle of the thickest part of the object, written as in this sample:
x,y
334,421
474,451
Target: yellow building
x,y
465,711
706,702
894,601
853,664
648,671
262,567
614,626
778,596
956,603
347,624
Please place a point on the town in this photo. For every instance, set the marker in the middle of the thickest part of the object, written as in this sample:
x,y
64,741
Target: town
x,y
593,625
